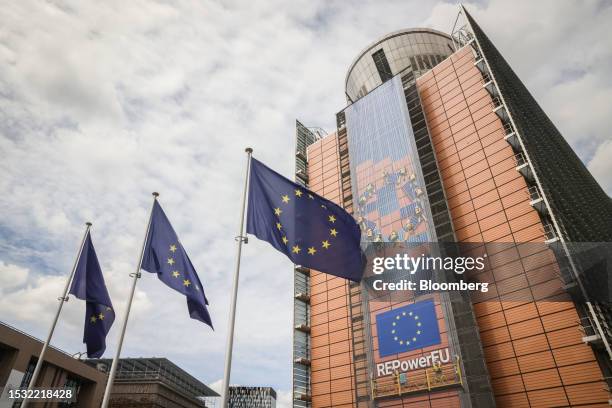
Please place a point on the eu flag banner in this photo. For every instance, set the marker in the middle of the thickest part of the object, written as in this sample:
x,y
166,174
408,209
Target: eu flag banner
x,y
311,230
88,284
165,256
407,328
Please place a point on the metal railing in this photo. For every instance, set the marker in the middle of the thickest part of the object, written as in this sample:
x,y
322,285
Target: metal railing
x,y
534,194
495,102
549,232
508,129
486,78
520,159
439,376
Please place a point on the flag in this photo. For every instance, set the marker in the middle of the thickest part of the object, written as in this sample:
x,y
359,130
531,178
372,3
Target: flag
x,y
165,256
88,285
312,231
407,328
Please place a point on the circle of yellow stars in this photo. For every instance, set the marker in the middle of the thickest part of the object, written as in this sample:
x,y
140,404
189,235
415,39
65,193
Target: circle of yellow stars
x,y
175,273
409,340
296,249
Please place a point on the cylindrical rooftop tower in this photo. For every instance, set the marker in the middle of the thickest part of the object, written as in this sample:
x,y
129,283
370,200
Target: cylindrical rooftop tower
x,y
421,48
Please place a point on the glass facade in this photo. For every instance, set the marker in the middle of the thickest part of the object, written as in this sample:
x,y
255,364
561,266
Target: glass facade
x,y
421,49
252,397
390,200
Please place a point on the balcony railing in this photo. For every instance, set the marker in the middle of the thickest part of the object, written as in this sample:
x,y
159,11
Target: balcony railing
x,y
495,103
549,233
520,160
486,78
534,194
440,376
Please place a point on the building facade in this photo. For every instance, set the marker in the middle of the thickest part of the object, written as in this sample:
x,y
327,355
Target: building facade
x,y
18,357
251,397
442,143
139,382
153,382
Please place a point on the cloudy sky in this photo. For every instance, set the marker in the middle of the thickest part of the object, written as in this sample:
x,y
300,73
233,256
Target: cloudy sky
x,y
103,102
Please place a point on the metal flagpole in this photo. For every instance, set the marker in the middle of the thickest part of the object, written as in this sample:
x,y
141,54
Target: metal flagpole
x,y
135,275
62,299
230,331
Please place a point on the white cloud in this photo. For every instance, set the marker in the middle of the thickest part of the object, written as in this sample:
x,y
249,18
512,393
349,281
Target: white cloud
x,y
601,164
12,276
100,104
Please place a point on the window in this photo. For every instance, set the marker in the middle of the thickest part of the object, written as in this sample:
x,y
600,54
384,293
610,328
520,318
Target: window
x,y
382,65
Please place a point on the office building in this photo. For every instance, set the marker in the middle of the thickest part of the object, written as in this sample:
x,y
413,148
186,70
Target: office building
x,y
18,357
139,382
442,142
251,397
153,382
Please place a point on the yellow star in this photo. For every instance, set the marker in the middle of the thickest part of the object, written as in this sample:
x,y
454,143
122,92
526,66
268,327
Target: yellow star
x,y
333,232
285,199
416,317
176,274
296,249
403,313
186,282
312,250
101,316
401,342
325,244
332,219
278,211
93,319
170,261
394,323
419,324
395,338
298,193
414,339
397,317
418,332
285,240
172,248
279,225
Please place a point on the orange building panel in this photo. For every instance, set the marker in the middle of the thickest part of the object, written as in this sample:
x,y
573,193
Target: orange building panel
x,y
534,350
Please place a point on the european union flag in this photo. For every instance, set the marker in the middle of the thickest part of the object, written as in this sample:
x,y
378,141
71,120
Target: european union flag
x,y
407,328
88,285
310,230
165,256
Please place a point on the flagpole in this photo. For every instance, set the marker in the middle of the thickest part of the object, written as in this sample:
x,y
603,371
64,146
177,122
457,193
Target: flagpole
x,y
241,238
135,275
62,299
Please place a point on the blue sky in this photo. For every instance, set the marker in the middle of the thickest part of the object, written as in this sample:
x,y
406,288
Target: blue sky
x,y
102,103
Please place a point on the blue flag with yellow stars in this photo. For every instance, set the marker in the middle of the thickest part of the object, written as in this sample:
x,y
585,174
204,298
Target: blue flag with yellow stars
x,y
407,328
88,285
312,231
165,256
